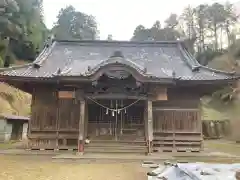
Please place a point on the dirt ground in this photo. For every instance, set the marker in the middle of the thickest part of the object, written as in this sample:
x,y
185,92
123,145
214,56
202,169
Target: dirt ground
x,y
39,168
223,146
45,168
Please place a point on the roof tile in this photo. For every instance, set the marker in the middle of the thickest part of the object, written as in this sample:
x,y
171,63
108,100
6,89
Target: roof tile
x,y
74,58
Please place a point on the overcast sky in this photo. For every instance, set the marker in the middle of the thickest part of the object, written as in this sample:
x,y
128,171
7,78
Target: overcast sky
x,y
120,17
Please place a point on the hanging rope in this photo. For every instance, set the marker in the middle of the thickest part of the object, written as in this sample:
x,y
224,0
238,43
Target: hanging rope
x,y
117,109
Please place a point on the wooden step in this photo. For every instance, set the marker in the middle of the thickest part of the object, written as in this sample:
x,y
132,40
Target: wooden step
x,y
114,150
119,147
171,149
175,132
119,141
178,138
114,147
177,143
111,146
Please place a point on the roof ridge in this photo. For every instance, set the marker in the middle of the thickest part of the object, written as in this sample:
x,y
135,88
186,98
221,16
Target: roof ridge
x,y
186,57
190,55
218,71
44,49
117,41
44,54
204,67
35,62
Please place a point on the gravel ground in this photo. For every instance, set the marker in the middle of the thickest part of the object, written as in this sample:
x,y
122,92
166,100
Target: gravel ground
x,y
44,168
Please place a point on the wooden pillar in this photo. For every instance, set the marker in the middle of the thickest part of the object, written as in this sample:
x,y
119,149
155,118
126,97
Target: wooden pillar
x,y
146,123
57,119
81,127
199,125
86,120
149,126
174,129
32,118
32,112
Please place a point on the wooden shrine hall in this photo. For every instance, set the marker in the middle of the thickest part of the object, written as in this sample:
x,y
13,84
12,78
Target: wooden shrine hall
x,y
116,96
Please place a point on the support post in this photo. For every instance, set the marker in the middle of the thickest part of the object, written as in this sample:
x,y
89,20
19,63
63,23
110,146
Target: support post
x,y
149,127
199,127
174,132
57,120
86,120
33,106
81,128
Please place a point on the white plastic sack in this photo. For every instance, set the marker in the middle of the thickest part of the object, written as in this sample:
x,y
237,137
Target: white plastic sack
x,y
197,171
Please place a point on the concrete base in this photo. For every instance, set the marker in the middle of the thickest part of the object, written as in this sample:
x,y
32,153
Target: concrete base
x,y
113,157
120,156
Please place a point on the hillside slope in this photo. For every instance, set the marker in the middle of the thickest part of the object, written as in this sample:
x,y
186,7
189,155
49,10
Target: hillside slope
x,y
14,101
229,62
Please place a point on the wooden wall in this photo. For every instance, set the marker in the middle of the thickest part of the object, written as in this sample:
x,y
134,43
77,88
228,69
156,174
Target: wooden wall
x,y
44,110
50,113
54,120
177,122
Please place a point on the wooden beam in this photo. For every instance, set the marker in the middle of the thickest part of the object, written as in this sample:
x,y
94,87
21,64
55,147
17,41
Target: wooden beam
x,y
81,127
174,109
115,96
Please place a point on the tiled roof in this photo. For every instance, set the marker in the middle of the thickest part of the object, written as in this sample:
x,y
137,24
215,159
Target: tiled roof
x,y
14,117
163,60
